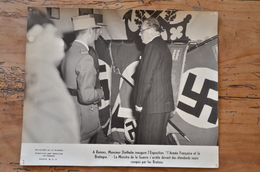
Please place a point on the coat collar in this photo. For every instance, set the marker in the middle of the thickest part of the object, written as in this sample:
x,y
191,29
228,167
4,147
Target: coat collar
x,y
83,49
81,44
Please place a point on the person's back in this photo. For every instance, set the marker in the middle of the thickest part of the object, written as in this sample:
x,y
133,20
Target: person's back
x,y
81,75
69,63
153,90
161,96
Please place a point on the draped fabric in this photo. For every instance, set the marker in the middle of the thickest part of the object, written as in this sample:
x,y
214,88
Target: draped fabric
x,y
125,57
189,72
178,52
102,50
116,112
196,113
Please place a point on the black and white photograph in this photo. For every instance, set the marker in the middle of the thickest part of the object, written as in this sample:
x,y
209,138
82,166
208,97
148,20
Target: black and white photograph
x,y
136,88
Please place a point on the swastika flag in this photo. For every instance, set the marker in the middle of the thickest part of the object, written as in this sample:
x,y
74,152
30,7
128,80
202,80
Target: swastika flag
x,y
197,108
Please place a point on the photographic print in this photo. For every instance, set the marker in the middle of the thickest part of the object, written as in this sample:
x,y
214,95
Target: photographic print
x,y
136,88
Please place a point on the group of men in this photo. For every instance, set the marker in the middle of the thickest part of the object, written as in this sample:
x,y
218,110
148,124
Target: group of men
x,y
152,89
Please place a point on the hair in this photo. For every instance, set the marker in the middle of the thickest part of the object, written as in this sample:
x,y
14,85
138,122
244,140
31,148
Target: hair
x,y
153,23
37,17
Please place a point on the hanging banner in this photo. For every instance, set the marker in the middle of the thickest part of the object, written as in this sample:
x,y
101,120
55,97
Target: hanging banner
x,y
197,109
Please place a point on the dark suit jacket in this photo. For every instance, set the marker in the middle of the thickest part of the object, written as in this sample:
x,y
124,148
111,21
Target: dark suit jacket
x,y
153,89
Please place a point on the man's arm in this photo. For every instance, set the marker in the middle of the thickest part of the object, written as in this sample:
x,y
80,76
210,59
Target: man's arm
x,y
86,80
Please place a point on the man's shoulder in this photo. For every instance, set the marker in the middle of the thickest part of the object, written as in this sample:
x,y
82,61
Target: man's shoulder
x,y
85,63
85,58
157,41
156,44
77,50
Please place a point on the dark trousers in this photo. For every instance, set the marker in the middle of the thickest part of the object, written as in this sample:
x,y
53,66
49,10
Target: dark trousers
x,y
152,128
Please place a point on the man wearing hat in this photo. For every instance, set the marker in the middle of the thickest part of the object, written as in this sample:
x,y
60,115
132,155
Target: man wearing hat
x,y
80,72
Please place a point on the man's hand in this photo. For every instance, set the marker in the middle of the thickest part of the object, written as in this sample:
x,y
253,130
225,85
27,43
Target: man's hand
x,y
101,95
138,109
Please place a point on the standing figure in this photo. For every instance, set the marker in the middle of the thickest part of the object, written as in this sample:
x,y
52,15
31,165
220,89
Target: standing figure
x,y
50,115
153,90
80,72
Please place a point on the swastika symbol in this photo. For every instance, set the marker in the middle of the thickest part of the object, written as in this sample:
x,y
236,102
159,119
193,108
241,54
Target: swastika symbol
x,y
201,98
130,130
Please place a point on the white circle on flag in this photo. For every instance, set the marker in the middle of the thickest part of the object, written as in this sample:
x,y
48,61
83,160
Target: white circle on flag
x,y
202,74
